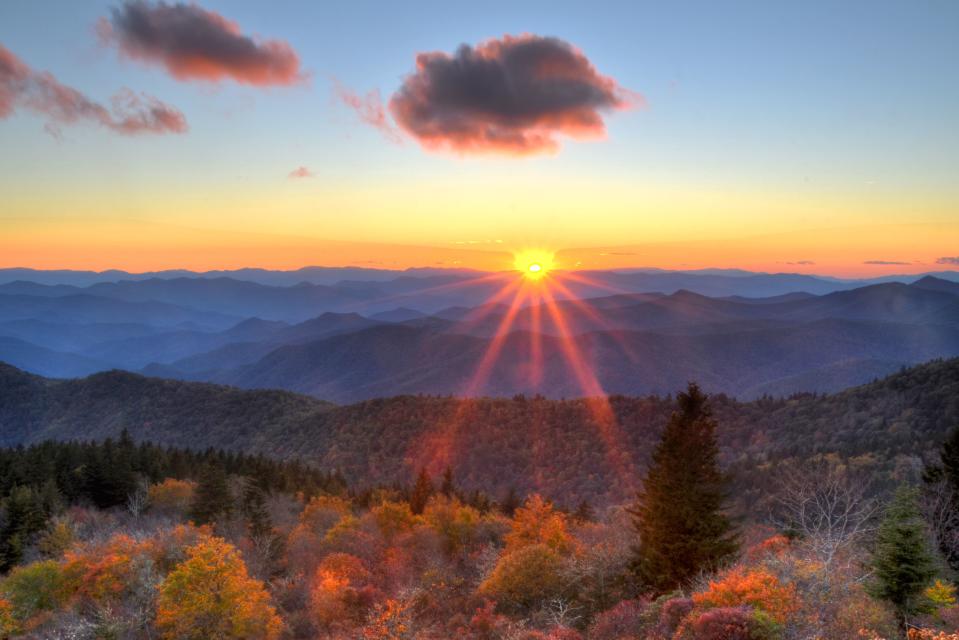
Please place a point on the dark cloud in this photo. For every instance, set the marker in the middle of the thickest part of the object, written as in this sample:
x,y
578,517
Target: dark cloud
x,y
301,172
514,95
948,260
196,44
886,262
23,88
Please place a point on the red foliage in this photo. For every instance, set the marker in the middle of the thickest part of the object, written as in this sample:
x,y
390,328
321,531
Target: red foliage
x,y
626,619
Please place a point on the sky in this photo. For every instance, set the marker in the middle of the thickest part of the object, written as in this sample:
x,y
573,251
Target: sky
x,y
814,137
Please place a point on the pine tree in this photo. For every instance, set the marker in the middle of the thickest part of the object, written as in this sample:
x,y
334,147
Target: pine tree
x,y
24,518
421,493
903,565
678,515
447,488
255,511
510,503
212,497
584,512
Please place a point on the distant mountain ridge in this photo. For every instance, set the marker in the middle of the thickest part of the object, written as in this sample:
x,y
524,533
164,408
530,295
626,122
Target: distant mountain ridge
x,y
527,443
417,333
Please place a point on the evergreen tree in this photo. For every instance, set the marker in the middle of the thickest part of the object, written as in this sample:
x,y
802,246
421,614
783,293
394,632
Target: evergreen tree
x,y
212,497
421,493
447,488
24,518
584,512
510,503
678,515
903,565
255,510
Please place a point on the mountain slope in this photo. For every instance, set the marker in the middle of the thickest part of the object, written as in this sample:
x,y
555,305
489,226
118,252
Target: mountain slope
x,y
557,447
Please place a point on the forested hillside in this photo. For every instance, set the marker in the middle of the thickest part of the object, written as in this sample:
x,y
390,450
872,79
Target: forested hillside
x,y
564,449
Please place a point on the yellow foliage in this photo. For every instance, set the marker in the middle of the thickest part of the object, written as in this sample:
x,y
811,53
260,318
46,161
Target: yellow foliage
x,y
454,521
392,518
941,594
525,577
211,595
537,522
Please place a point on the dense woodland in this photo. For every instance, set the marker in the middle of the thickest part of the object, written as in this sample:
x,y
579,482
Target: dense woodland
x,y
562,450
119,539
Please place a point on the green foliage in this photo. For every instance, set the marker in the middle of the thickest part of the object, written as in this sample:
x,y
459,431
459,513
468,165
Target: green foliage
x,y
678,516
903,566
37,587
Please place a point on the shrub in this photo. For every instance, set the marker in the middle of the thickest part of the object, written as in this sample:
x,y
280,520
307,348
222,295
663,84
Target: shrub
x,y
525,578
756,588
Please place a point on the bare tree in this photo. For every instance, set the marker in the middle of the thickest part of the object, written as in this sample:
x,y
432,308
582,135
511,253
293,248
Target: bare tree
x,y
938,505
138,499
829,507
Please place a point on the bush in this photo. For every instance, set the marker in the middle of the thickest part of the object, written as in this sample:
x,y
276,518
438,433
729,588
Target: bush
x,y
629,618
525,578
727,623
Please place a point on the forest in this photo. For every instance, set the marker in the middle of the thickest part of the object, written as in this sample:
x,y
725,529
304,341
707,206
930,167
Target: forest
x,y
125,539
561,449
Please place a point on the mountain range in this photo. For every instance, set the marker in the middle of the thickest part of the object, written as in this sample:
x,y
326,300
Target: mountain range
x,y
361,334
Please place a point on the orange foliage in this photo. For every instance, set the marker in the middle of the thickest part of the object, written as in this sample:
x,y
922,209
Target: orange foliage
x,y
211,595
754,587
537,522
104,572
392,620
338,597
172,494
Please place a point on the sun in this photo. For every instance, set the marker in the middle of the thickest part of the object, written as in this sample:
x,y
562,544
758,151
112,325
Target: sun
x,y
534,264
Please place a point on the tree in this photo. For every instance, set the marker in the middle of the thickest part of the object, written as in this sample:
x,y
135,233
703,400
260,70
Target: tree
x,y
678,514
212,496
827,507
24,518
448,488
211,595
902,564
941,499
421,493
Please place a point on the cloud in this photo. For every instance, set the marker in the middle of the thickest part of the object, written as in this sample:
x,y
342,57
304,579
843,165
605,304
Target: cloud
x,y
39,92
886,262
195,44
301,172
948,260
514,95
369,108
803,263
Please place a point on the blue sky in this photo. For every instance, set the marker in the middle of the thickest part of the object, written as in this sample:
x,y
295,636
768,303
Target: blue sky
x,y
851,99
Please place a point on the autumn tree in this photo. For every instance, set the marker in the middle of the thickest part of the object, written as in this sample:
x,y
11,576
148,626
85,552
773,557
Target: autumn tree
x,y
678,515
211,595
903,566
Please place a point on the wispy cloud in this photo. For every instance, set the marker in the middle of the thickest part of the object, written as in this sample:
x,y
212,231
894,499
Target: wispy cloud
x,y
953,260
886,262
301,172
370,110
40,92
195,44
